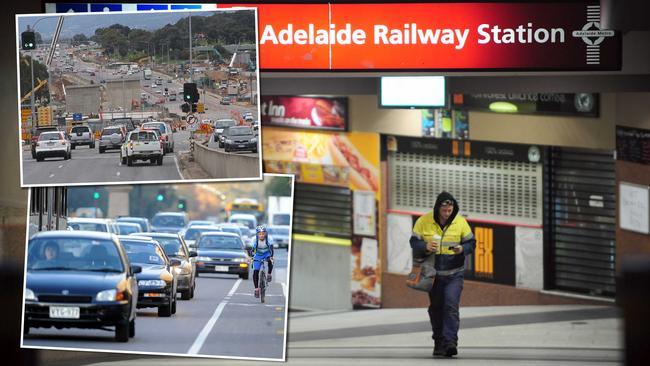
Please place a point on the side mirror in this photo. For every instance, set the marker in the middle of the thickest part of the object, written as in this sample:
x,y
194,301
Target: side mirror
x,y
193,254
136,269
175,262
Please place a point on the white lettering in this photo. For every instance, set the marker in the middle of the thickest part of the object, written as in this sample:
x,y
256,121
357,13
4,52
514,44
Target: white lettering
x,y
462,38
380,34
269,35
485,36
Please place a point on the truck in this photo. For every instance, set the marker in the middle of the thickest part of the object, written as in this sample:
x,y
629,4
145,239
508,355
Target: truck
x,y
142,145
278,211
147,74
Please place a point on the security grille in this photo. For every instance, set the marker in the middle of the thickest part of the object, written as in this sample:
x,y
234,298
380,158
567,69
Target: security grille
x,y
505,191
322,210
582,216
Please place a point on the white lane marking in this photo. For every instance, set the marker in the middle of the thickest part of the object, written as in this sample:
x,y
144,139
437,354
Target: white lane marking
x,y
118,174
198,343
60,166
255,304
52,175
177,168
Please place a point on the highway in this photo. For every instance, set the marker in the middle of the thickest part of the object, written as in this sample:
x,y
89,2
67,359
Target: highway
x,y
223,319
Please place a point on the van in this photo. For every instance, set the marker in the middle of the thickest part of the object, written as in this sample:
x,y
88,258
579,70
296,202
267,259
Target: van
x,y
246,219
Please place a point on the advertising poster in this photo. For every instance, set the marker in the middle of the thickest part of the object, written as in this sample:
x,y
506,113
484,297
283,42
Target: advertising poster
x,y
366,273
318,113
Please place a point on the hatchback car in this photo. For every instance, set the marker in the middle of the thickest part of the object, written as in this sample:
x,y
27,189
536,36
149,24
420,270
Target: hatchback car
x,y
82,135
112,138
175,248
157,282
220,252
80,280
51,144
220,125
239,138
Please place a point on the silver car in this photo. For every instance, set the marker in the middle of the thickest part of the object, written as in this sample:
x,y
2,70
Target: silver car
x,y
81,135
112,138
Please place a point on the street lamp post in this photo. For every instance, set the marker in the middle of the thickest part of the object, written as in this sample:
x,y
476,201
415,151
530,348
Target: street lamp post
x,y
191,67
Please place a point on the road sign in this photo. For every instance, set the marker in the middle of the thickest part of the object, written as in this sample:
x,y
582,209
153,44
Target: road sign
x,y
200,108
25,113
77,116
192,122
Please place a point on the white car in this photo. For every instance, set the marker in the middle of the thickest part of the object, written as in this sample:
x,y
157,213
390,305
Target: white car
x,y
91,224
142,145
53,143
167,136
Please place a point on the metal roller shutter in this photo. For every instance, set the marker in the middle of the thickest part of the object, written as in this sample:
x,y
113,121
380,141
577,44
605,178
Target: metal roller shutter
x,y
322,210
582,221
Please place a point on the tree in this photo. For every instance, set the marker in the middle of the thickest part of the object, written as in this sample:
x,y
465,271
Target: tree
x,y
78,39
40,73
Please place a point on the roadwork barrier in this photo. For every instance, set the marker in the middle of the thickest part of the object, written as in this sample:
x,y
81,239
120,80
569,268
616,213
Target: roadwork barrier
x,y
223,165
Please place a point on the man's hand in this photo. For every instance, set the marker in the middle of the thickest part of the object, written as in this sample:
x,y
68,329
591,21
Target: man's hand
x,y
457,249
432,246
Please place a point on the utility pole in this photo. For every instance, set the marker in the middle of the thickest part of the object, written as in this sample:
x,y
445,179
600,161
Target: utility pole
x,y
191,68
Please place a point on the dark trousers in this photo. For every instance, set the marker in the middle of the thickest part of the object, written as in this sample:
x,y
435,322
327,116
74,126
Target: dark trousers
x,y
444,300
256,273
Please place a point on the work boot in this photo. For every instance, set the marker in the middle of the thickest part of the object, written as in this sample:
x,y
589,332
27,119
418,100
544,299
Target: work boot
x,y
451,350
257,293
438,351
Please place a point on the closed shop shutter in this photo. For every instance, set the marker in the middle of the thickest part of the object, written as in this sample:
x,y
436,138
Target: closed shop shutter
x,y
322,210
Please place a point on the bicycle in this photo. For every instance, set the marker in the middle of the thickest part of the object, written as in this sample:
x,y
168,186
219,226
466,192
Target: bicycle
x,y
263,280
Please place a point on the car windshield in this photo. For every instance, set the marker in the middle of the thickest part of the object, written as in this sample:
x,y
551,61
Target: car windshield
x,y
239,131
79,129
128,229
49,136
281,219
226,123
143,252
160,126
278,231
73,254
142,223
197,223
171,246
110,131
219,242
193,233
249,223
233,230
143,136
38,132
169,220
88,226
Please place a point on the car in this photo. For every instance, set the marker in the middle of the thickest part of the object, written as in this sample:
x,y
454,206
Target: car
x,y
168,222
142,145
51,144
246,219
91,224
123,121
158,281
172,97
154,85
126,228
142,221
159,81
240,138
192,234
89,284
280,235
199,223
165,131
221,252
226,100
82,135
112,137
220,125
175,247
36,133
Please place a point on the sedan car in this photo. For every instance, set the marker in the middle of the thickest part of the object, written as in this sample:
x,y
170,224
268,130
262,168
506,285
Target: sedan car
x,y
175,247
192,234
126,228
220,252
240,138
80,280
142,221
168,222
157,282
281,235
51,144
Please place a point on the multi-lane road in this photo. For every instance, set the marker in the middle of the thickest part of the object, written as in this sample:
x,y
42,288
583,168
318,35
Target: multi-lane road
x,y
223,319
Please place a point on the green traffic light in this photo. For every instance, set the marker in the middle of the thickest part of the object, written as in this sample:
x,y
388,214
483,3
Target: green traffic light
x,y
181,206
96,195
160,198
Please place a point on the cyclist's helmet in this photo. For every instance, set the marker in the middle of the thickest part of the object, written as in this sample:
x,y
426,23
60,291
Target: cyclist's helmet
x,y
260,228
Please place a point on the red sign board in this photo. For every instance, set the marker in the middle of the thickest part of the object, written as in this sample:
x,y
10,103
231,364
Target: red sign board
x,y
435,36
318,113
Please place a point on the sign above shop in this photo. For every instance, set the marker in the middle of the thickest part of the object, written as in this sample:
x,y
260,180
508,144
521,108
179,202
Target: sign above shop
x,y
424,36
581,104
311,113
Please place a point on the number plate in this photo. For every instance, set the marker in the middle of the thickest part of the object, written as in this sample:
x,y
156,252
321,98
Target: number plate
x,y
221,268
64,312
240,145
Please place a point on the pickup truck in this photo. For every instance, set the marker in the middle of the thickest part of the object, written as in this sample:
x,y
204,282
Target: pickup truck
x,y
142,145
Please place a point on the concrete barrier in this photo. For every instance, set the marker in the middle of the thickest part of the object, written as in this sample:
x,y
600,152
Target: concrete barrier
x,y
222,165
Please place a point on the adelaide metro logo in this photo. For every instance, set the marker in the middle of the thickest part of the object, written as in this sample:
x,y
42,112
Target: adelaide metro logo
x,y
592,35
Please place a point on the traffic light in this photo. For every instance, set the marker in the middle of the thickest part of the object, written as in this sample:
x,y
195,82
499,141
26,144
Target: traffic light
x,y
161,195
185,108
194,109
190,93
28,39
96,195
182,205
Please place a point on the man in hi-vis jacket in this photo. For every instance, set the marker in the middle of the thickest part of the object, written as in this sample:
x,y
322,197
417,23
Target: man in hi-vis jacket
x,y
445,234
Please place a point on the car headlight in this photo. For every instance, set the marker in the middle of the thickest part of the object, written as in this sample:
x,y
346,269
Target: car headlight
x,y
107,295
239,260
29,295
203,259
152,283
254,140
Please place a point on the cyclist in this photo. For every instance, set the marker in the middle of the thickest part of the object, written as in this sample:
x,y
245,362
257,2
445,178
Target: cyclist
x,y
262,251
